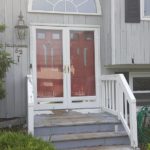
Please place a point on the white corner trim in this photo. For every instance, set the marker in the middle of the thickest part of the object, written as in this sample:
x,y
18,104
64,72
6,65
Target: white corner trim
x,y
29,5
98,6
113,30
64,25
141,9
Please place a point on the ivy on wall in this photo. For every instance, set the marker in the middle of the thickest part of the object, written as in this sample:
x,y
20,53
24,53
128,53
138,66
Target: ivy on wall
x,y
2,27
5,63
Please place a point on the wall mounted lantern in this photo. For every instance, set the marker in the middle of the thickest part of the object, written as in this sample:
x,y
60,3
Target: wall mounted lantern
x,y
21,28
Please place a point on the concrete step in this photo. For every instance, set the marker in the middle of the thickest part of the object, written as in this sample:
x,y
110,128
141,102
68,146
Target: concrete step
x,y
46,125
73,119
72,130
78,128
80,140
118,147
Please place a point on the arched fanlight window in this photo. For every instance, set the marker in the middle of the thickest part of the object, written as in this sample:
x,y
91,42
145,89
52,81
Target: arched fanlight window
x,y
66,6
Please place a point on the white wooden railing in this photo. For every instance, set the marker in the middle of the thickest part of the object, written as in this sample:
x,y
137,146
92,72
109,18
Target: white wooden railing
x,y
118,99
30,98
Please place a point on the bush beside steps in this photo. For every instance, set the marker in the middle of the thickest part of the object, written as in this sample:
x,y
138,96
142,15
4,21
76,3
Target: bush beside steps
x,y
22,141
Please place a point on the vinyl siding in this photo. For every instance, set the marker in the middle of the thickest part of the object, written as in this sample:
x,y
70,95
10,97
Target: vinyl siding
x,y
131,39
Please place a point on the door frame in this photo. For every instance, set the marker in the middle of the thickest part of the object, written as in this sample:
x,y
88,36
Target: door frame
x,y
45,102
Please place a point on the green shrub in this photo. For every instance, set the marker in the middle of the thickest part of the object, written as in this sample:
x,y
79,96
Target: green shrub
x,y
21,141
148,147
2,89
5,63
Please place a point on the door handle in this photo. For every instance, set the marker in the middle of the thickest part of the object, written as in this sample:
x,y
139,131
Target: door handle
x,y
65,69
68,69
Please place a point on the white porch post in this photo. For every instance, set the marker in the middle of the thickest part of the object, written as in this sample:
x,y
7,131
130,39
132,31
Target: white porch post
x,y
30,112
31,119
134,140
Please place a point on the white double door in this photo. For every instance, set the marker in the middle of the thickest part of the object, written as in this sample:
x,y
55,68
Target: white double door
x,y
66,66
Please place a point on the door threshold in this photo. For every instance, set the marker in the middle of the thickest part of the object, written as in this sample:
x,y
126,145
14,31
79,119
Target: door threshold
x,y
62,111
86,111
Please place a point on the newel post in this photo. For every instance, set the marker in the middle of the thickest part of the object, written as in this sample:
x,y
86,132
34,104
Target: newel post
x,y
30,111
133,125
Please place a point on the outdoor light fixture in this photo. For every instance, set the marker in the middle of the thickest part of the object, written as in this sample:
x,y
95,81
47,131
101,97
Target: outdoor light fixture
x,y
21,28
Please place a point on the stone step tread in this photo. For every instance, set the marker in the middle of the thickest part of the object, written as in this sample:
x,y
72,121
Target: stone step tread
x,y
118,147
86,136
80,119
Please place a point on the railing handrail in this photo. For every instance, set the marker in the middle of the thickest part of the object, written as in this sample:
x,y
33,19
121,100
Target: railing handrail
x,y
121,79
126,88
124,95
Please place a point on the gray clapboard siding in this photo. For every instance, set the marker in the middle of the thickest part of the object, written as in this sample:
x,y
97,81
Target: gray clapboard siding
x,y
2,20
106,53
15,102
131,39
10,97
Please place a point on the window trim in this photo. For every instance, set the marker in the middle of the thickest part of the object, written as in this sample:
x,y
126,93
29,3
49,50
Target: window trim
x,y
138,74
98,6
143,17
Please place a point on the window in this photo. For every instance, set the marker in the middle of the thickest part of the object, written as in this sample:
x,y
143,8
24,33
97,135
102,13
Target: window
x,y
145,9
140,84
65,6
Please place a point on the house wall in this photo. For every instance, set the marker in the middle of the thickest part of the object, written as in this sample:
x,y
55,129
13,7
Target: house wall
x,y
131,39
130,47
16,100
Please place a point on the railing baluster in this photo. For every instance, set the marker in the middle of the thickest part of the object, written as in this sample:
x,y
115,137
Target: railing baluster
x,y
113,96
103,95
121,102
109,96
117,99
126,110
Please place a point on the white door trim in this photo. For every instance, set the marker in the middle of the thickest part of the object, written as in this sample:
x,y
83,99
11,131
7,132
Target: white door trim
x,y
67,104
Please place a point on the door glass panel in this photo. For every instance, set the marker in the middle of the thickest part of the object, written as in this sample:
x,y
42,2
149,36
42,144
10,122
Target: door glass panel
x,y
49,63
82,63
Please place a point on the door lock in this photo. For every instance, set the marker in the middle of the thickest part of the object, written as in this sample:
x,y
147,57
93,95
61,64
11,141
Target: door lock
x,y
68,69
